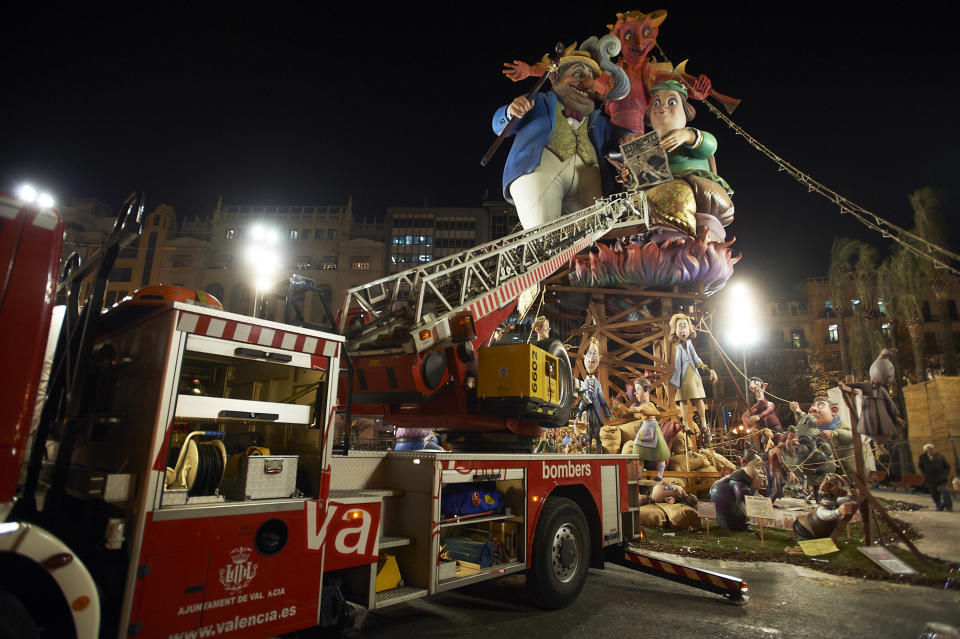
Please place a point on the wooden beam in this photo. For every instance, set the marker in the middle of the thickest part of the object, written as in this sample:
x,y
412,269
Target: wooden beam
x,y
857,478
632,309
639,344
649,320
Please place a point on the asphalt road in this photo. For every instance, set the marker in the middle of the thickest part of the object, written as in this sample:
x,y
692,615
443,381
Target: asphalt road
x,y
785,601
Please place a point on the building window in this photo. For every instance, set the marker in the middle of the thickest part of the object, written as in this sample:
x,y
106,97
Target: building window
x,y
887,332
156,221
329,263
180,261
121,274
318,234
229,234
305,235
793,309
294,234
952,310
776,338
224,261
797,338
828,305
881,307
360,263
302,262
833,334
773,311
332,234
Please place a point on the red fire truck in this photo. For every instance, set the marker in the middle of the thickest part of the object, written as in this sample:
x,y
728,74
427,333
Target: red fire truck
x,y
190,473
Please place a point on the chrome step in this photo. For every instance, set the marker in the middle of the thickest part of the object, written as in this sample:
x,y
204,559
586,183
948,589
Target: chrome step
x,y
394,542
398,595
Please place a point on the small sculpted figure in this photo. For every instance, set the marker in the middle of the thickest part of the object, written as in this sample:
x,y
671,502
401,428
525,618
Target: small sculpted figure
x,y
685,378
762,414
778,470
592,401
541,327
833,505
727,493
649,443
666,493
824,442
879,415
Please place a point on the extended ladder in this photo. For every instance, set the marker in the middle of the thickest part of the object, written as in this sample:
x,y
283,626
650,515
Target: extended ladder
x,y
486,277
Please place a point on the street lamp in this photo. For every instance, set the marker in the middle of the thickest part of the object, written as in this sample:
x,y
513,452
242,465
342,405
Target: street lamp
x,y
30,195
263,257
743,330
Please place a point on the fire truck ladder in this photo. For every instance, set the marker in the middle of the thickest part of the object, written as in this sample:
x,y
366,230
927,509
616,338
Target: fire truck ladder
x,y
482,279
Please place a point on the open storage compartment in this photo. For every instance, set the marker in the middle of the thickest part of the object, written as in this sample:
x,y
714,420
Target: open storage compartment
x,y
481,526
244,422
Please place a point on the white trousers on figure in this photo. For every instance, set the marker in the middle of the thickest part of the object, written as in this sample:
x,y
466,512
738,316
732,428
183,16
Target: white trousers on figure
x,y
555,188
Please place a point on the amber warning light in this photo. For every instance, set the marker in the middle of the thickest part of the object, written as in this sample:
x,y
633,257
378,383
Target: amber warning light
x,y
462,328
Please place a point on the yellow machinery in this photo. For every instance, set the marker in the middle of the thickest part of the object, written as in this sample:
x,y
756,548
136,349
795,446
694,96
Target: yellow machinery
x,y
519,380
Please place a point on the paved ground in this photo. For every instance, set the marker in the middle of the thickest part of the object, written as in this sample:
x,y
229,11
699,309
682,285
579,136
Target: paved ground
x,y
786,601
940,530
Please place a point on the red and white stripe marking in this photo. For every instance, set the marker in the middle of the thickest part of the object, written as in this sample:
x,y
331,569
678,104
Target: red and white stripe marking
x,y
512,289
683,571
253,334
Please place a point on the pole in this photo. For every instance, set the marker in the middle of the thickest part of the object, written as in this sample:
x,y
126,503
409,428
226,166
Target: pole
x,y
555,59
746,378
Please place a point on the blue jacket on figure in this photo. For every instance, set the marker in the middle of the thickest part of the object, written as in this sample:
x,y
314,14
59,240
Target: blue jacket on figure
x,y
593,401
533,133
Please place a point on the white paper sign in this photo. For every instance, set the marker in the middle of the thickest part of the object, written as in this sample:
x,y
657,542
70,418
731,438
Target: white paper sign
x,y
886,560
759,507
707,509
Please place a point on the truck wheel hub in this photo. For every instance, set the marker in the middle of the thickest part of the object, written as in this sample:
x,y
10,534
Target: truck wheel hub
x,y
565,553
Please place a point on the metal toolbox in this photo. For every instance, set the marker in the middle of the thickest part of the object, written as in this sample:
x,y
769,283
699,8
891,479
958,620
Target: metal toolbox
x,y
267,477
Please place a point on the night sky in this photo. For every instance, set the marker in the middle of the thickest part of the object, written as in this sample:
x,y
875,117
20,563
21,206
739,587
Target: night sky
x,y
393,107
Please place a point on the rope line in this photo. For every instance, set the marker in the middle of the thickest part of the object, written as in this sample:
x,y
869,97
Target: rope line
x,y
727,358
933,252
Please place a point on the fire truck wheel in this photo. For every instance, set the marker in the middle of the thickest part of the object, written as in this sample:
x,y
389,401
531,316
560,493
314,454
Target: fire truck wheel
x,y
15,621
561,552
564,379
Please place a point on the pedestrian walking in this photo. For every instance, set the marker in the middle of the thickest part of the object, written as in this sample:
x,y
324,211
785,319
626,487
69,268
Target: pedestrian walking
x,y
935,470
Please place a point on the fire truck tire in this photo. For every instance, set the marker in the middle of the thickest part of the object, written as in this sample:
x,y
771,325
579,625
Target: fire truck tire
x,y
15,621
561,554
564,378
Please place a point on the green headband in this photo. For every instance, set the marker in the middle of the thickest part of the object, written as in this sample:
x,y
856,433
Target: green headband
x,y
671,85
